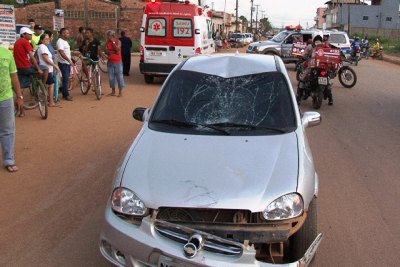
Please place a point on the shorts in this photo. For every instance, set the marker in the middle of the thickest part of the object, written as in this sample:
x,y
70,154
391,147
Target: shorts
x,y
50,78
24,75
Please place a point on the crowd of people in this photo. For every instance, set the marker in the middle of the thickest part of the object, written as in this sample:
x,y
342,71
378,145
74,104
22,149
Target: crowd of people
x,y
34,53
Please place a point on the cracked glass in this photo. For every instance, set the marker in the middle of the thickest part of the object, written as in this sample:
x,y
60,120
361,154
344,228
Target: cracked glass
x,y
250,104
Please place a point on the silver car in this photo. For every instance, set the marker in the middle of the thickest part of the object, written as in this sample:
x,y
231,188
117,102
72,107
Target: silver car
x,y
221,173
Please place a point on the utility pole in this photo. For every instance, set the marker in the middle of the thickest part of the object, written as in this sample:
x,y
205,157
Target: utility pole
x,y
257,18
237,10
251,17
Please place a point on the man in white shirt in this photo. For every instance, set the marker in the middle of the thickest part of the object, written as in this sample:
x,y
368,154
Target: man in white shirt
x,y
64,61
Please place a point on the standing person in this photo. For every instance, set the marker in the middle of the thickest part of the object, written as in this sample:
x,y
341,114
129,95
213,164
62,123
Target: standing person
x,y
46,59
114,64
37,32
9,82
25,60
91,48
64,61
126,45
80,37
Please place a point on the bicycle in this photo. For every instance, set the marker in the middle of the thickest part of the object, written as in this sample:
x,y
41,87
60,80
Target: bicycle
x,y
76,76
36,96
93,76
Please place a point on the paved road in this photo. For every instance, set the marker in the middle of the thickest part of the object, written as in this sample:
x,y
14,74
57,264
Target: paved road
x,y
52,209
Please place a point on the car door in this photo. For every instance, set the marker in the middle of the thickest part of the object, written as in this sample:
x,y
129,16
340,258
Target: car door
x,y
287,44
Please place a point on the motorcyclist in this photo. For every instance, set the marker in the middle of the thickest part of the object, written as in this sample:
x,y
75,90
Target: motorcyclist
x,y
354,46
365,45
307,55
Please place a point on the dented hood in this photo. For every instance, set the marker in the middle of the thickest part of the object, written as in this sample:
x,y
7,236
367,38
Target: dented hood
x,y
240,172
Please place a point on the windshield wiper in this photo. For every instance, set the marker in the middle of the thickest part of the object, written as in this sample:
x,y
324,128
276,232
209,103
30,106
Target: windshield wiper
x,y
185,124
248,127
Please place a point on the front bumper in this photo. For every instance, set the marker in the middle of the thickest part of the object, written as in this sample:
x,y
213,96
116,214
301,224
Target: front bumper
x,y
125,244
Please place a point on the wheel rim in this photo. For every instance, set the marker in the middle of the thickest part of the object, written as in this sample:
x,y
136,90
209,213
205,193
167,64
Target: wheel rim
x,y
97,85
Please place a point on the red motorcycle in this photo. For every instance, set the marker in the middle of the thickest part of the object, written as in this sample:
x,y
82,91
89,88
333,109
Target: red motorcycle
x,y
317,84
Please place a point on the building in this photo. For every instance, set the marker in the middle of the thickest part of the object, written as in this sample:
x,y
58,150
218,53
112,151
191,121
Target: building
x,y
380,17
320,18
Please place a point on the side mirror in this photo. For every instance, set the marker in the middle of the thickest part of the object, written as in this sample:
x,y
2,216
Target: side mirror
x,y
310,119
140,114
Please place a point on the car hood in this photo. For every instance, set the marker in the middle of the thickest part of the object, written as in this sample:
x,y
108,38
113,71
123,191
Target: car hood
x,y
264,43
241,172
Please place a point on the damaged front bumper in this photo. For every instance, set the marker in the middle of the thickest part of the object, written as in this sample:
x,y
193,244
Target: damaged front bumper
x,y
147,244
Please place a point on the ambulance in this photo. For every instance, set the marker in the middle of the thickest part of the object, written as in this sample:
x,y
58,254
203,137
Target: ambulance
x,y
172,31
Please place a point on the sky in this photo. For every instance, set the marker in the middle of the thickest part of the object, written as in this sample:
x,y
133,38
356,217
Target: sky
x,y
279,12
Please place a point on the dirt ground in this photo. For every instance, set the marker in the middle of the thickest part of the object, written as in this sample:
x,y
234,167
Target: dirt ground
x,y
52,209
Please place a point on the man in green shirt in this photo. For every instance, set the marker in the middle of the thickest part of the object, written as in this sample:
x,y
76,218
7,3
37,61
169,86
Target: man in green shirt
x,y
9,82
37,32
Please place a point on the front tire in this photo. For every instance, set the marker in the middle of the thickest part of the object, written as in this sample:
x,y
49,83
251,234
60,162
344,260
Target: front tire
x,y
97,85
318,97
303,238
42,100
347,77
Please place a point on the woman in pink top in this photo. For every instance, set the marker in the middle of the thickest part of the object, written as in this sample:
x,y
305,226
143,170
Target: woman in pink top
x,y
113,51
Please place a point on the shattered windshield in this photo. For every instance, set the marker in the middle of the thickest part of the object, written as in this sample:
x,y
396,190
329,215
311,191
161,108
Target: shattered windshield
x,y
199,103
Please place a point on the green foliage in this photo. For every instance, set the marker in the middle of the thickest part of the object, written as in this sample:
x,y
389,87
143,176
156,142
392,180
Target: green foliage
x,y
266,24
243,19
390,44
135,46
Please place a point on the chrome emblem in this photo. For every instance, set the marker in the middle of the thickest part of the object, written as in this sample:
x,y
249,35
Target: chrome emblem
x,y
194,244
190,250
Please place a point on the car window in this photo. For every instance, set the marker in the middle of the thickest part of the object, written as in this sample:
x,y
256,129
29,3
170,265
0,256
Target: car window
x,y
280,37
337,38
237,35
262,100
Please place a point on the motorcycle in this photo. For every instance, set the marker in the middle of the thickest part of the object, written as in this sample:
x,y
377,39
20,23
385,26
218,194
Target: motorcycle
x,y
355,55
347,76
325,65
376,51
318,86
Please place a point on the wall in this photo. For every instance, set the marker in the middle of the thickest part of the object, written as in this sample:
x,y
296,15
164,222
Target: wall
x,y
101,15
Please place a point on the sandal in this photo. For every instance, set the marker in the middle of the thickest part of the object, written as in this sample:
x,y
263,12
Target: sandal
x,y
12,168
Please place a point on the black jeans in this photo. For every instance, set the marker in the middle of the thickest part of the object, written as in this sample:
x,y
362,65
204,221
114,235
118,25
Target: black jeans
x,y
126,63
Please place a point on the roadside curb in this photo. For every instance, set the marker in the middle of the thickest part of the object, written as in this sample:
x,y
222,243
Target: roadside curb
x,y
391,58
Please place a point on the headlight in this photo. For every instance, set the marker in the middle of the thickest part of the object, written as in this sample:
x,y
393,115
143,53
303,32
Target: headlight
x,y
125,201
284,207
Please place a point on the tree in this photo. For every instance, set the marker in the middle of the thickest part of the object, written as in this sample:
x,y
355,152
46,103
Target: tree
x,y
265,24
243,19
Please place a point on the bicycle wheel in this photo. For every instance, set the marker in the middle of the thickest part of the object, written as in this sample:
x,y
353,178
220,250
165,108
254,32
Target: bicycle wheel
x,y
97,83
42,99
84,82
103,65
30,101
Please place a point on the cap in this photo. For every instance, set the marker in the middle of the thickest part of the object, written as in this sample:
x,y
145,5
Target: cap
x,y
37,27
25,30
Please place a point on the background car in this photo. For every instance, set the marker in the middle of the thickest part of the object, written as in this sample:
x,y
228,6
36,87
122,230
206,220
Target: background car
x,y
249,38
282,44
220,174
340,40
237,39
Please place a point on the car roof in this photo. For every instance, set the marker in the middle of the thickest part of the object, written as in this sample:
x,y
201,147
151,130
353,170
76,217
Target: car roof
x,y
231,65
